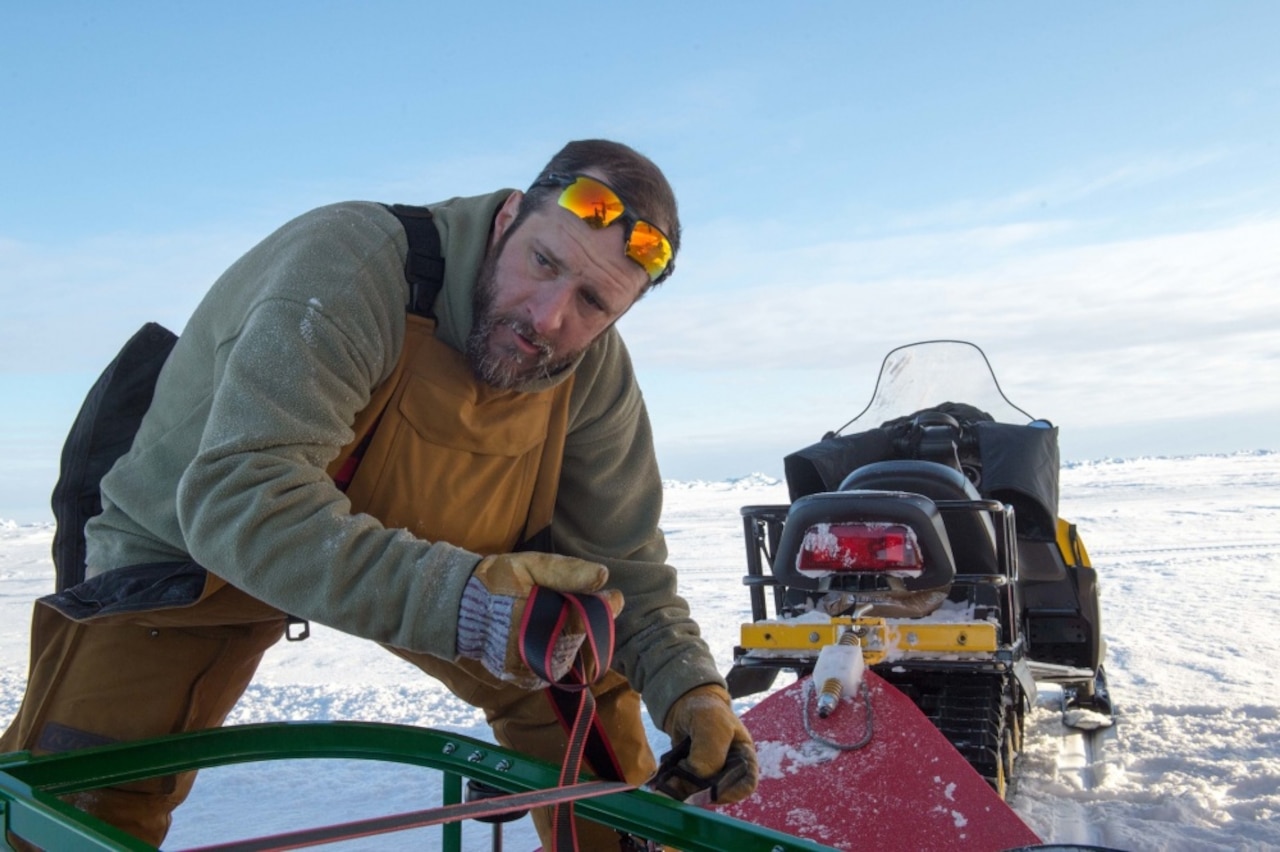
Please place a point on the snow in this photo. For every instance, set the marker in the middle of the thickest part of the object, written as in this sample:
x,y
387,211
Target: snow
x,y
1189,555
778,759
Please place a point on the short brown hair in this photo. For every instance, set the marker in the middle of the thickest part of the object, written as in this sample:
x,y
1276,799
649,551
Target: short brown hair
x,y
631,174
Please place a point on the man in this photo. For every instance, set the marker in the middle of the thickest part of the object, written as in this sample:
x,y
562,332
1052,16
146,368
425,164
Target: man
x,y
314,449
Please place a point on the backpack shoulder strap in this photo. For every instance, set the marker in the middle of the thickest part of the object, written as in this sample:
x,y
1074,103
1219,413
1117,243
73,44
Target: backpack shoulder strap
x,y
424,265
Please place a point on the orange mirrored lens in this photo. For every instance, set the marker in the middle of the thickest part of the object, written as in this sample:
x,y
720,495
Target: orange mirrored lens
x,y
592,202
649,247
599,206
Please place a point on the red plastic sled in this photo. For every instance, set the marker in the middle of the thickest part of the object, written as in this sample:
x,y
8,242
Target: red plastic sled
x,y
907,788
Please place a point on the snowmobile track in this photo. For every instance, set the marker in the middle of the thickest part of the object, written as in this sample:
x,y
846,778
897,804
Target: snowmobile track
x,y
1259,546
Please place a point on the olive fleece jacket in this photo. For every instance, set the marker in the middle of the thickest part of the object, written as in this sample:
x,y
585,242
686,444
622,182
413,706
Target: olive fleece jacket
x,y
259,395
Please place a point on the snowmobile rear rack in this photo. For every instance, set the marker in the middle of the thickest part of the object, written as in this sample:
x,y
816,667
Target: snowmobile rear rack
x,y
30,785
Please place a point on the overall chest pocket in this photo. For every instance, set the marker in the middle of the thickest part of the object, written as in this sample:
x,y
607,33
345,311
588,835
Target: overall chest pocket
x,y
453,460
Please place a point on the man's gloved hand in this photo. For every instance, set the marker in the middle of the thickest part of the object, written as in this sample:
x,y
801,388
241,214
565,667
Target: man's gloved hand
x,y
493,603
721,756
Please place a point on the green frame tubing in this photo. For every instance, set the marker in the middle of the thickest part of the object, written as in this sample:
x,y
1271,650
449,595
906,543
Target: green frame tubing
x,y
29,786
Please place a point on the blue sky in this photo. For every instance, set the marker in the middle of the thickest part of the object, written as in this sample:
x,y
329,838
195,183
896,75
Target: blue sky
x,y
1090,191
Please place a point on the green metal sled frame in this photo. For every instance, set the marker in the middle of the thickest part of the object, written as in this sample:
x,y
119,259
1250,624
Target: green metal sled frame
x,y
29,785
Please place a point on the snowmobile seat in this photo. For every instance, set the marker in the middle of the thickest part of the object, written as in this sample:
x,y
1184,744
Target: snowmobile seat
x,y
971,533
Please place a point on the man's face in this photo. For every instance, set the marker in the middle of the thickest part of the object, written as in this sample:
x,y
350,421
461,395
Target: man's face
x,y
546,291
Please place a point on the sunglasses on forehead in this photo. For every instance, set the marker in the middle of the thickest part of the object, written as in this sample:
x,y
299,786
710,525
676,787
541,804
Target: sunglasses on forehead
x,y
599,206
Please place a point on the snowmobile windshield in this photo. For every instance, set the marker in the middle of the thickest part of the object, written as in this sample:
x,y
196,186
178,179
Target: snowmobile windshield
x,y
924,375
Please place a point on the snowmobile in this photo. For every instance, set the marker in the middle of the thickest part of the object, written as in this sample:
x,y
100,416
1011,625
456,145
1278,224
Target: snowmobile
x,y
926,530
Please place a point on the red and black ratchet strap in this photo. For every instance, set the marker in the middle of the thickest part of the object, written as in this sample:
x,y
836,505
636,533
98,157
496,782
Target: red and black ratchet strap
x,y
546,616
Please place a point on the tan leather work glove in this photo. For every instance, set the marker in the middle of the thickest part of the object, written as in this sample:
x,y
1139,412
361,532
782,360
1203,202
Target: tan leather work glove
x,y
492,607
721,757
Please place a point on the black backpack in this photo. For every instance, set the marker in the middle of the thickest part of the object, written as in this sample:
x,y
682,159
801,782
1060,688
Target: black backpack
x,y
101,433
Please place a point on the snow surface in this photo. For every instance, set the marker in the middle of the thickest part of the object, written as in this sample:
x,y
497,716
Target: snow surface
x,y
1189,554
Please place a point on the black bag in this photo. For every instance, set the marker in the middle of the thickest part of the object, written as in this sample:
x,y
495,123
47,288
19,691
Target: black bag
x,y
1020,467
102,432
824,465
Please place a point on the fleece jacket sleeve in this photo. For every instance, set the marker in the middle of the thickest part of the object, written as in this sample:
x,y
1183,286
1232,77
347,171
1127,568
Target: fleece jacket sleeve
x,y
608,510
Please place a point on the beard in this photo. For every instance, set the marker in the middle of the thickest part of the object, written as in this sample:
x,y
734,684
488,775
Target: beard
x,y
505,367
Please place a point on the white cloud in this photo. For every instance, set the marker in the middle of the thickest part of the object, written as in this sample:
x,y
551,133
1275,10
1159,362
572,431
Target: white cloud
x,y
1062,191
1175,326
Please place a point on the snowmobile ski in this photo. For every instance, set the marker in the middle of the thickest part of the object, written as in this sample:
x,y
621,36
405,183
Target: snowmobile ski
x,y
1088,709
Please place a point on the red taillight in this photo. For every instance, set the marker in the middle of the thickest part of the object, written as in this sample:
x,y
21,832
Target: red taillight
x,y
851,547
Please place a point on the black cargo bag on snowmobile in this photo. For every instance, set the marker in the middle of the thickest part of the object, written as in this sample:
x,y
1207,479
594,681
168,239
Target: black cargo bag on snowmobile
x,y
101,433
1019,463
823,466
1020,467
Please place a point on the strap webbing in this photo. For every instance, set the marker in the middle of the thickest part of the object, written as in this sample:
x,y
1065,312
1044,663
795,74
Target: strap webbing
x,y
424,264
424,273
546,616
419,819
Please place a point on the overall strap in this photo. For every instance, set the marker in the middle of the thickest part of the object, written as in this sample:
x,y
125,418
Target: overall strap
x,y
424,264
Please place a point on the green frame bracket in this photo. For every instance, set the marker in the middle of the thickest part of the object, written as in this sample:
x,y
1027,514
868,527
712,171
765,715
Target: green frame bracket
x,y
30,785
